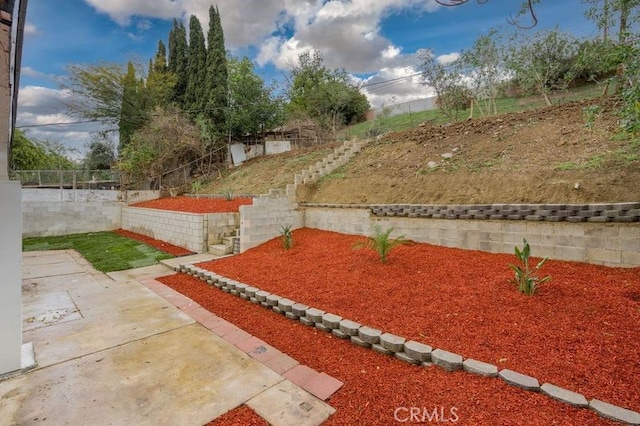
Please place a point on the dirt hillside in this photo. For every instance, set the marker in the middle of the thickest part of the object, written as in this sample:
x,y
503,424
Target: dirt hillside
x,y
569,153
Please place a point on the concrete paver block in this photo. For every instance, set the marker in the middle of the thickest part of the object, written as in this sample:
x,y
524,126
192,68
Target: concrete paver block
x,y
350,328
564,395
448,361
272,299
481,368
369,335
331,321
285,305
261,295
258,349
300,374
314,315
392,342
281,363
339,334
299,309
418,351
406,358
359,342
381,349
287,404
520,380
613,412
322,386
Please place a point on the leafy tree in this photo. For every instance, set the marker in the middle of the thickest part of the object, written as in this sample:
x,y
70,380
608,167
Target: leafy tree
x,y
96,91
195,94
544,62
452,96
177,61
252,106
167,141
483,66
26,154
101,153
323,95
216,80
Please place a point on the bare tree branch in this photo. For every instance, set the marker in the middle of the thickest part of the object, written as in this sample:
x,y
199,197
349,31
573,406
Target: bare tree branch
x,y
526,9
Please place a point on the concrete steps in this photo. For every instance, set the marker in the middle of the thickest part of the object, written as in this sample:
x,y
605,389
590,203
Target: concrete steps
x,y
225,244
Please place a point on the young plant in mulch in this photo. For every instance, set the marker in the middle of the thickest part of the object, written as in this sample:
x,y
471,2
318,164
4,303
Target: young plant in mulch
x,y
526,278
228,194
381,242
287,236
196,187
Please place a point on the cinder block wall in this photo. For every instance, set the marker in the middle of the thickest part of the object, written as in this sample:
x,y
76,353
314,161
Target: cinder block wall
x,y
186,230
611,244
262,221
222,223
47,218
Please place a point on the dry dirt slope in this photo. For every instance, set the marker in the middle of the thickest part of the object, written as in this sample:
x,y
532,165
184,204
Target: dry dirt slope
x,y
550,155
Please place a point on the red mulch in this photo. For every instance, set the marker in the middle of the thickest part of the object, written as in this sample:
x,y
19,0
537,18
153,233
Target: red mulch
x,y
375,386
580,331
200,205
160,245
242,415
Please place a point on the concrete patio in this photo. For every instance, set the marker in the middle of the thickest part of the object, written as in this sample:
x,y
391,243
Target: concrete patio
x,y
113,351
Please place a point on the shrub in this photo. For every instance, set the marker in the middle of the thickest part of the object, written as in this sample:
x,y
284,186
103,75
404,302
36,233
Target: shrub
x,y
286,236
525,277
381,242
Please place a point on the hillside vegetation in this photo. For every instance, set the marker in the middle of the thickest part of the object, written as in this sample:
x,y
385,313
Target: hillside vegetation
x,y
568,153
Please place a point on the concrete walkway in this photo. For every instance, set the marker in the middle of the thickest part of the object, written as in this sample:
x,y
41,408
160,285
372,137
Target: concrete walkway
x,y
112,351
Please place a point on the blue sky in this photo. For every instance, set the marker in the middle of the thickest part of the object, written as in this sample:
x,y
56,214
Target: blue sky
x,y
373,40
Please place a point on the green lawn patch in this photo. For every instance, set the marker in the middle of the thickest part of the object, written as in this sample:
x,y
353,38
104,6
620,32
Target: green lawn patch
x,y
106,251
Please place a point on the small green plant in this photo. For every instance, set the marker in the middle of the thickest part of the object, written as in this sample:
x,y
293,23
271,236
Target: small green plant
x,y
381,242
525,277
591,113
196,187
287,236
227,193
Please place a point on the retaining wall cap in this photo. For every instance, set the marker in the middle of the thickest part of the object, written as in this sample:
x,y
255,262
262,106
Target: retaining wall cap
x,y
520,380
479,367
447,360
613,412
564,395
418,351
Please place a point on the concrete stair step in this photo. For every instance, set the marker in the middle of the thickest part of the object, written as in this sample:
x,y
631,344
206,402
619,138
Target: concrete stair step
x,y
220,249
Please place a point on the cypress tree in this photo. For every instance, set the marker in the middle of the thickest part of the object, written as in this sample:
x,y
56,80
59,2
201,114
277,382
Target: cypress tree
x,y
194,97
160,61
130,114
216,79
177,62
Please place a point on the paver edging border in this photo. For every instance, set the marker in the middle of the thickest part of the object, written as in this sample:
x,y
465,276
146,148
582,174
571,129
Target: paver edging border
x,y
371,338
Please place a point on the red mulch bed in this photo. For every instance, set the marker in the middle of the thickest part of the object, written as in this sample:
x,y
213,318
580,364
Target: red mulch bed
x,y
200,205
160,245
242,415
375,385
580,331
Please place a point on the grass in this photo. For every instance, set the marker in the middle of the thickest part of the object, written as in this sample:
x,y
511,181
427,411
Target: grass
x,y
505,105
106,251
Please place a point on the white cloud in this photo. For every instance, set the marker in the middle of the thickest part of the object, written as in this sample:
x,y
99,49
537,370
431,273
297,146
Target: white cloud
x,y
30,72
394,86
40,112
122,11
448,58
30,29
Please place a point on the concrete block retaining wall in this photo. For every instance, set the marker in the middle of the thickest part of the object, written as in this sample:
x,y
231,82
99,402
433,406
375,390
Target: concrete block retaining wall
x,y
261,221
186,230
84,195
48,218
609,243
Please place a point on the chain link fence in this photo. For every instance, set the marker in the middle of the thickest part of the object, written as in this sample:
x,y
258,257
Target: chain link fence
x,y
68,179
